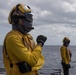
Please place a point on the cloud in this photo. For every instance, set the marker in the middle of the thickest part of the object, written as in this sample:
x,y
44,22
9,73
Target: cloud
x,y
46,11
55,33
50,18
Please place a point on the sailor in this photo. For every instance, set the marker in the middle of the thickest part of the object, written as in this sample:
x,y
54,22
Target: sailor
x,y
21,55
65,55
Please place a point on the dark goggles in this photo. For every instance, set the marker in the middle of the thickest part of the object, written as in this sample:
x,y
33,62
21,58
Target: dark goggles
x,y
27,17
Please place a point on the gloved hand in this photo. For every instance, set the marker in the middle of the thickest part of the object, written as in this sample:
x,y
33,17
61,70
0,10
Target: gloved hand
x,y
68,65
41,39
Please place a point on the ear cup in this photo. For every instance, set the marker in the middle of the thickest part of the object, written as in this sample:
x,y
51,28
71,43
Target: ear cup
x,y
15,19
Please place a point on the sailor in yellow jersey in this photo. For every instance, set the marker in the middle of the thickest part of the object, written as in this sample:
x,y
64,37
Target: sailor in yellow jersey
x,y
65,55
21,55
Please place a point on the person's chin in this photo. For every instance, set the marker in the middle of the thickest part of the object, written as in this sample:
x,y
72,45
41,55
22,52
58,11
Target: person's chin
x,y
27,31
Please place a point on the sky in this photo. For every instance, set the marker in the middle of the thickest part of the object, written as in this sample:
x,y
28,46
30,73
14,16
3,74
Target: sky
x,y
55,19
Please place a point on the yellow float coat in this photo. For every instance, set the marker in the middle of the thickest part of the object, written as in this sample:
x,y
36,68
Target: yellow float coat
x,y
65,55
21,48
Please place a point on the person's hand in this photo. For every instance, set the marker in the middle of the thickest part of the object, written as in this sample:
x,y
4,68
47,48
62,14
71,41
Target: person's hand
x,y
68,65
41,39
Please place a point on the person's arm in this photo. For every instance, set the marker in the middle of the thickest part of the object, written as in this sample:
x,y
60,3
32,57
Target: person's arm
x,y
15,45
64,56
70,53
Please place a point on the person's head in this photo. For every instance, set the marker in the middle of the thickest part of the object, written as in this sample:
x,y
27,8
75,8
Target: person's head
x,y
20,18
66,41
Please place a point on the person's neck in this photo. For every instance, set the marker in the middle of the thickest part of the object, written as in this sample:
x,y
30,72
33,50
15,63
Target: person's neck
x,y
65,45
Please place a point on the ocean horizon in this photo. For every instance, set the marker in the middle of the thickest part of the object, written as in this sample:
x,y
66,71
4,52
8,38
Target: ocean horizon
x,y
52,60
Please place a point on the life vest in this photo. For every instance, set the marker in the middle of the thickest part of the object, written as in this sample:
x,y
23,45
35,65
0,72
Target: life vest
x,y
65,55
30,45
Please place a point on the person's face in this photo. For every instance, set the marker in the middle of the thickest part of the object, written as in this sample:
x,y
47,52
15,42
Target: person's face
x,y
66,44
25,25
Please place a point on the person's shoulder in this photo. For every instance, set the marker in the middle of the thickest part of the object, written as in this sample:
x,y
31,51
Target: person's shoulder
x,y
13,35
63,47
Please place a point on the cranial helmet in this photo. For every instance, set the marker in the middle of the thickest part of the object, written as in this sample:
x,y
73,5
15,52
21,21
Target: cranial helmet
x,y
19,11
66,39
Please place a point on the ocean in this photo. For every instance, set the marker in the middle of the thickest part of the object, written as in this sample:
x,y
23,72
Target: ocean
x,y
52,64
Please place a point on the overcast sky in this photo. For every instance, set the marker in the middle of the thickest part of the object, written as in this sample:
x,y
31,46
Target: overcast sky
x,y
52,18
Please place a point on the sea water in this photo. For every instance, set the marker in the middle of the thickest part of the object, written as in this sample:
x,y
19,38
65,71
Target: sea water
x,y
52,60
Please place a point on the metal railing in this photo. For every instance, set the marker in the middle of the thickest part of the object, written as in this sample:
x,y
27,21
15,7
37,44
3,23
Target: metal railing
x,y
57,72
51,71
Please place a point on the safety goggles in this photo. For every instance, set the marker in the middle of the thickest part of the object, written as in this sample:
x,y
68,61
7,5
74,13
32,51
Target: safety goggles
x,y
27,17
